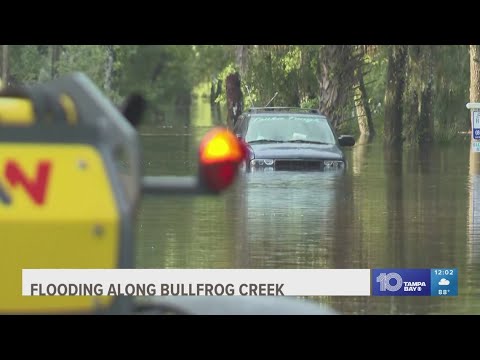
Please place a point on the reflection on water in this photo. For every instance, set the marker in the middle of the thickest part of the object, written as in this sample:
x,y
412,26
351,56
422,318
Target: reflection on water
x,y
407,208
474,209
276,231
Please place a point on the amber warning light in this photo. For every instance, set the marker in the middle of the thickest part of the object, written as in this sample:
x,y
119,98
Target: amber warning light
x,y
220,156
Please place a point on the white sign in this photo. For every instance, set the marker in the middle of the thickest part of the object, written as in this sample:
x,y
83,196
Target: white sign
x,y
196,282
476,124
475,146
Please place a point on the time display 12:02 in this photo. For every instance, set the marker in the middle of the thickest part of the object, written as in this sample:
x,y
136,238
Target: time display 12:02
x,y
443,272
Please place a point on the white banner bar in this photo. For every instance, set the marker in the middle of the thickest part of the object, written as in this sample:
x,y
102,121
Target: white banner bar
x,y
196,282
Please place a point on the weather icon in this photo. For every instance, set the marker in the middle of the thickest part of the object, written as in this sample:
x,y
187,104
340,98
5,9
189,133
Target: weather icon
x,y
444,282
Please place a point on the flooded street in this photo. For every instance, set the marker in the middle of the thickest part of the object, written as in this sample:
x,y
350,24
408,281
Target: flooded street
x,y
391,208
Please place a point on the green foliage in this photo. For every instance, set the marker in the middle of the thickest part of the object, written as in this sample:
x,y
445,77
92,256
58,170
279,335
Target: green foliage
x,y
28,63
291,61
375,69
287,69
452,81
161,72
89,59
450,88
202,90
211,61
309,103
170,74
227,70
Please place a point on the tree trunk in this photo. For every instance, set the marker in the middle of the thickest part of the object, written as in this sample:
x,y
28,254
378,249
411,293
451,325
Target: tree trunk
x,y
336,78
426,108
215,91
411,103
212,93
474,75
364,115
241,58
269,86
419,95
56,50
110,59
411,115
216,115
394,94
234,98
219,88
5,65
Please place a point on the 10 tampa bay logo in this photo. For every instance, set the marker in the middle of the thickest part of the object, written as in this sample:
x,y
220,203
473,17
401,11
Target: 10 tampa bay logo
x,y
401,282
15,176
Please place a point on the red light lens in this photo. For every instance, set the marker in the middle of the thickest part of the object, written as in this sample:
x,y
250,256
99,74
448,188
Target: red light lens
x,y
221,153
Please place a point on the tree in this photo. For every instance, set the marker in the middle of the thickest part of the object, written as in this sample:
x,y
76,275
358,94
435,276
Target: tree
x,y
5,64
474,74
395,86
364,115
56,51
241,54
234,98
336,78
412,91
418,115
109,69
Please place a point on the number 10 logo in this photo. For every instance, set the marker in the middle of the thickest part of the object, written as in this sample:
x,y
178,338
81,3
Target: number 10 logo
x,y
384,280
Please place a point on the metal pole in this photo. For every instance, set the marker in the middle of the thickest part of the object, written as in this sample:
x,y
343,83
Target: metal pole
x,y
173,185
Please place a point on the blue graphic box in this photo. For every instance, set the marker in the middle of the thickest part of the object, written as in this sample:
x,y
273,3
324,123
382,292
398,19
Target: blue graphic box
x,y
401,282
444,282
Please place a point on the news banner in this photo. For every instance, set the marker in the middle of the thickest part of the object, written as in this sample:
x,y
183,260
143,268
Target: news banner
x,y
240,282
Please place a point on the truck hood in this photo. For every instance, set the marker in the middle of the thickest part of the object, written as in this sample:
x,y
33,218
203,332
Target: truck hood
x,y
295,151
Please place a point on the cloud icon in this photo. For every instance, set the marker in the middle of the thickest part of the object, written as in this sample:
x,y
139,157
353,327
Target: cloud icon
x,y
444,282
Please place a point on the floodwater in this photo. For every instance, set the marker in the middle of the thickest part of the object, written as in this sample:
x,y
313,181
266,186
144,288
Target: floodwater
x,y
405,208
